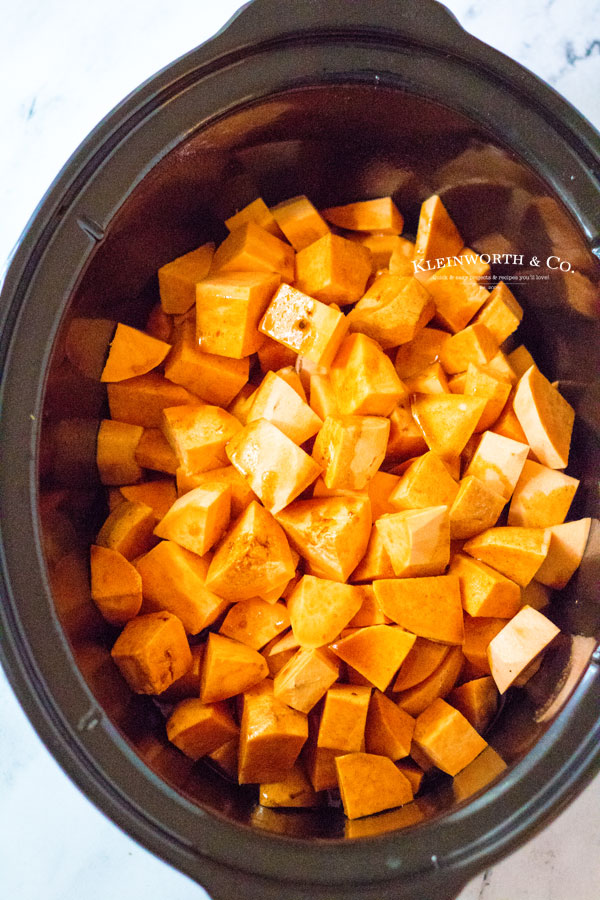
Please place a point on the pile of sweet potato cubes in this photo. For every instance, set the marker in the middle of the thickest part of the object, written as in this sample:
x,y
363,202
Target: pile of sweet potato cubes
x,y
337,502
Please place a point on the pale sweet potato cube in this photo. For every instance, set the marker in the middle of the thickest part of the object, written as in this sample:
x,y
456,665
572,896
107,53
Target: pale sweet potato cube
x,y
331,533
188,684
319,609
197,520
199,435
322,397
293,791
141,400
498,461
304,325
456,295
375,563
116,586
116,445
258,212
177,279
272,355
229,668
502,313
159,494
128,529
474,344
537,595
447,737
515,552
403,253
406,437
229,306
199,728
255,622
429,607
389,729
280,404
370,783
417,540
422,351
423,659
542,497
479,383
333,269
514,648
212,378
226,757
293,379
447,421
253,557
152,652
300,221
132,352
275,467
154,452
370,613
306,677
567,546
439,684
271,736
241,493
477,700
431,380
437,235
500,367
350,449
479,631
520,360
426,482
376,652
364,379
484,591
344,716
252,249
392,311
381,215
545,417
476,507
174,579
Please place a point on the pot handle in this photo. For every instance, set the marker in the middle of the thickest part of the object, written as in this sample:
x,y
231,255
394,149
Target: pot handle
x,y
267,20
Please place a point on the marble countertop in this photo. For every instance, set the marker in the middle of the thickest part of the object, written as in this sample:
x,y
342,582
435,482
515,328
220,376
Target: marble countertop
x,y
63,66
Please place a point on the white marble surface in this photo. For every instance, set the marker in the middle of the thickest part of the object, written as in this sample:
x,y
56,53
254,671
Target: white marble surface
x,y
63,65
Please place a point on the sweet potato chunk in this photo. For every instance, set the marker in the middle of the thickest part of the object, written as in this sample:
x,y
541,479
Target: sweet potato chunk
x,y
565,552
159,494
115,452
484,591
306,677
514,648
479,383
154,452
300,221
426,482
381,215
474,344
116,585
320,608
255,622
439,684
370,783
293,791
515,552
350,449
545,417
501,314
423,659
253,557
376,652
392,311
375,563
447,738
520,360
428,607
132,352
128,529
226,757
177,279
475,508
344,716
431,380
437,235
498,461
364,379
422,351
271,736
456,295
252,249
477,700
389,729
370,612
542,497
141,400
406,437
447,421
417,540
152,652
257,212
333,269
199,435
197,520
229,668
198,728
479,632
280,404
174,579
188,685
241,493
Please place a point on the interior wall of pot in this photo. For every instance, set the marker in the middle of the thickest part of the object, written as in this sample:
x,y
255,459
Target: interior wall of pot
x,y
336,144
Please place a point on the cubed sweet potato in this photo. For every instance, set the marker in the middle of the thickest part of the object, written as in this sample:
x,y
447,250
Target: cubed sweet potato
x,y
370,783
417,540
389,728
271,736
350,449
255,622
300,221
177,279
344,716
447,737
198,728
197,520
319,609
364,379
229,668
333,269
116,586
131,353
376,652
306,677
152,652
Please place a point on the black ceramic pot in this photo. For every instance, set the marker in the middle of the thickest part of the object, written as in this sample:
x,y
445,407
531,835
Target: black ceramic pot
x,y
340,100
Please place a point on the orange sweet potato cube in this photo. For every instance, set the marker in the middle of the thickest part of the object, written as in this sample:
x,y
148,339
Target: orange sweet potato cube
x,y
241,493
370,783
476,507
116,447
447,421
431,380
322,396
132,352
520,360
252,558
376,652
177,280
306,677
344,716
429,607
333,269
319,609
477,700
128,529
174,579
300,221
229,668
501,314
479,383
439,684
484,591
364,379
258,212
271,736
392,311
384,248
426,482
277,402
350,449
498,461
241,404
389,728
197,520
456,295
419,353
375,563
447,738
116,586
188,684
423,659
437,235
479,631
567,546
152,652
199,435
381,215
198,728
251,248
541,497
474,344
370,612
515,552
255,622
275,467
226,757
154,452
294,791
279,651
141,400
229,306
273,355
406,437
417,540
518,644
